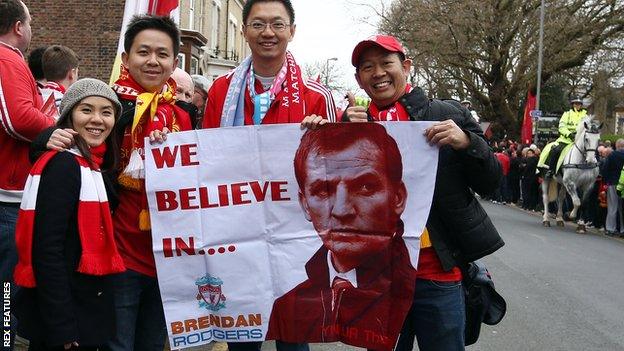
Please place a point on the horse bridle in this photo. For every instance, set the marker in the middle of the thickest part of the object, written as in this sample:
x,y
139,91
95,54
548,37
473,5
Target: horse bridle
x,y
585,164
585,143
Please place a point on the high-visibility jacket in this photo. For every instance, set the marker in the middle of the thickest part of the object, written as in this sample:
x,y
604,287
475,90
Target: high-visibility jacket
x,y
568,123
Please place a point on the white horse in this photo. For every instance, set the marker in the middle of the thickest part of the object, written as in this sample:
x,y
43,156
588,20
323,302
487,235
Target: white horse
x,y
578,172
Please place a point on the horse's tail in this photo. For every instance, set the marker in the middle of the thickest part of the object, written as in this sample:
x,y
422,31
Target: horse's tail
x,y
552,190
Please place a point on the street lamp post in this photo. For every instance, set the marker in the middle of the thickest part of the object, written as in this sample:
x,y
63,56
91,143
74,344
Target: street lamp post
x,y
539,66
327,69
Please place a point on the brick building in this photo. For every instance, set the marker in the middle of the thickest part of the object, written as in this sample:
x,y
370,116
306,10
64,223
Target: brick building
x,y
212,39
90,28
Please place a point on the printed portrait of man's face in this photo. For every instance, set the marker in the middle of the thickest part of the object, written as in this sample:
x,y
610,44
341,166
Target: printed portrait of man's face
x,y
351,200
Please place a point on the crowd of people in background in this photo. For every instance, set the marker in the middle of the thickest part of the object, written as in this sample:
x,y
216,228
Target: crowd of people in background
x,y
522,180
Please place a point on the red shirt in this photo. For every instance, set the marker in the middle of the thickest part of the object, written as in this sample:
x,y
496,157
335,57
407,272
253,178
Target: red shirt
x,y
430,268
317,100
504,161
134,245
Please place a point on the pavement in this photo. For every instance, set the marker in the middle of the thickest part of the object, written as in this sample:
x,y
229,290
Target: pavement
x,y
564,290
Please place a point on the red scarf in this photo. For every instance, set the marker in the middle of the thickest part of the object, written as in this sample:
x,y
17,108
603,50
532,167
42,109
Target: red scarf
x,y
394,112
160,111
95,225
291,107
54,86
128,89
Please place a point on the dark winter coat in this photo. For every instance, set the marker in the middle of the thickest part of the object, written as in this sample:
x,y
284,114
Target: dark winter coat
x,y
459,228
66,305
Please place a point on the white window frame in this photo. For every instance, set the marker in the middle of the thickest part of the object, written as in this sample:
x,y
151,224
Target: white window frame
x,y
194,68
192,14
216,18
201,17
181,61
232,30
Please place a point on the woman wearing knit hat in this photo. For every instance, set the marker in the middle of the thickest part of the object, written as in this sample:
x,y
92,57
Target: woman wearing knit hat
x,y
64,233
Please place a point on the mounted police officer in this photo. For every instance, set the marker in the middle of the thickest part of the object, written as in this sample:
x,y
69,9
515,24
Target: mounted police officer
x,y
567,132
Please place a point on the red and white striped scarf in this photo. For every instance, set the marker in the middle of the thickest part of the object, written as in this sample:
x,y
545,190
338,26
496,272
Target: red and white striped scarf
x,y
54,86
394,112
95,226
290,87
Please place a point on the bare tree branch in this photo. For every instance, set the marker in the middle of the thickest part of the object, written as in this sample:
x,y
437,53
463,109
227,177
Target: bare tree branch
x,y
487,49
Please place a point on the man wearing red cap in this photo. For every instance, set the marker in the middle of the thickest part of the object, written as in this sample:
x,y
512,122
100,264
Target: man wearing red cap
x,y
458,230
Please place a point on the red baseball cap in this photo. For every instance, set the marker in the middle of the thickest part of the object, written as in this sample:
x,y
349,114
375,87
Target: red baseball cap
x,y
386,42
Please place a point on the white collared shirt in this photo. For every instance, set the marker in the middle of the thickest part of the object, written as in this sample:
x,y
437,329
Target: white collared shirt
x,y
351,275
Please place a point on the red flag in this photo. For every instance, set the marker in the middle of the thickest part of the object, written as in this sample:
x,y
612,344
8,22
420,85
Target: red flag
x,y
527,124
162,7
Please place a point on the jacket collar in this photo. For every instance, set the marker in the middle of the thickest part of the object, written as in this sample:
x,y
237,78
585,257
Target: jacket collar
x,y
416,103
12,48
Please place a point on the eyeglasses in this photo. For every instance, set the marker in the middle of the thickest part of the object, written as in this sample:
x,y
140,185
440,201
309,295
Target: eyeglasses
x,y
259,26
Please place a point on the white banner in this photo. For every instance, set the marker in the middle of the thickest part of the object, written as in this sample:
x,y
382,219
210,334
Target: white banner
x,y
238,245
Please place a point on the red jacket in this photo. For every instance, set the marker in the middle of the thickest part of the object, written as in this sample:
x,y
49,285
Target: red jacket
x,y
21,121
134,244
317,100
504,161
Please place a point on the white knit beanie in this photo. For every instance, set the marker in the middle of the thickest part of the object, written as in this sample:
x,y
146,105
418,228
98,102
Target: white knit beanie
x,y
84,88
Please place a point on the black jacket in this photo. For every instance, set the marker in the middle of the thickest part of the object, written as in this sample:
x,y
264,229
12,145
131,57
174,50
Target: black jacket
x,y
612,167
459,228
530,166
66,305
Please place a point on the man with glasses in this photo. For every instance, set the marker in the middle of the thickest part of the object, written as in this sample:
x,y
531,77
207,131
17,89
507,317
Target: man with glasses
x,y
268,88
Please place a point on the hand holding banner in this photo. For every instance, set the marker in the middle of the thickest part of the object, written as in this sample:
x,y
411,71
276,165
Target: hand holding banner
x,y
260,233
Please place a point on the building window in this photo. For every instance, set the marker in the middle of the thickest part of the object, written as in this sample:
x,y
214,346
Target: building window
x,y
201,17
194,65
181,61
240,46
191,14
216,19
231,39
